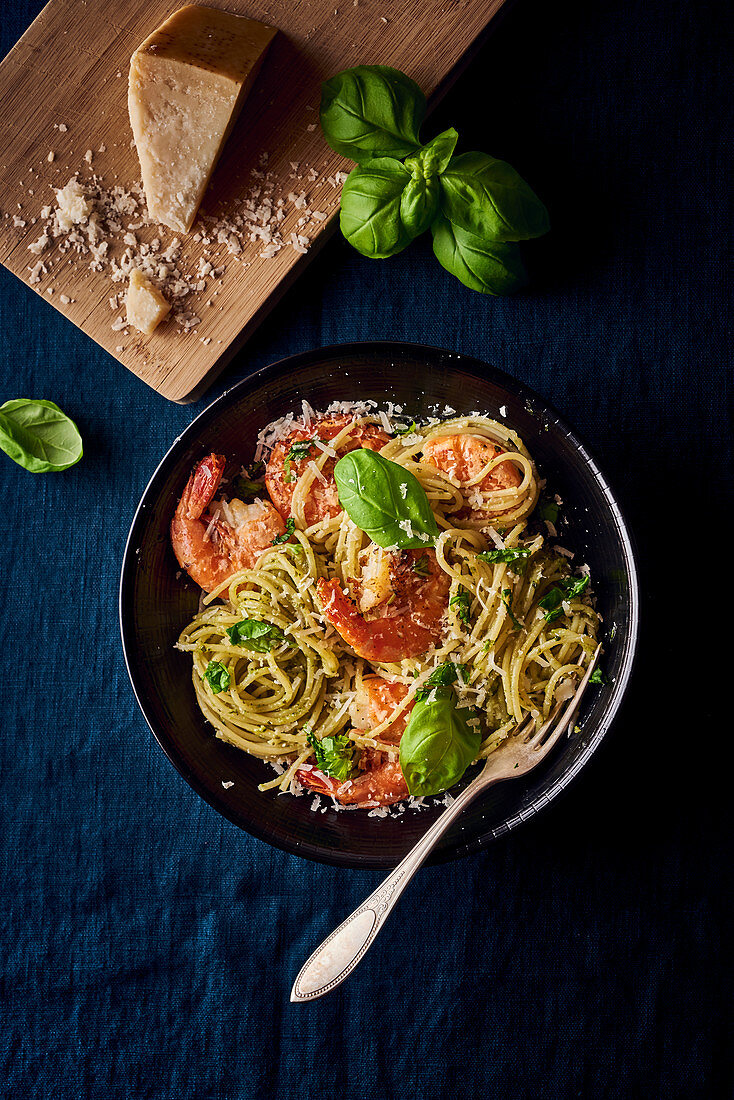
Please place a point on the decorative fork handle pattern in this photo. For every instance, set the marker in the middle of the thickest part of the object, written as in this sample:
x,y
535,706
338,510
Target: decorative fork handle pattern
x,y
341,951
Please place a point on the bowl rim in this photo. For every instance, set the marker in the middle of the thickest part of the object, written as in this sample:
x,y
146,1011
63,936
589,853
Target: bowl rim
x,y
484,372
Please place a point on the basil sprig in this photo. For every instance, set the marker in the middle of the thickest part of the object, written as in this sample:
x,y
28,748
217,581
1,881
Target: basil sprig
x,y
385,501
439,743
39,436
256,635
476,206
334,755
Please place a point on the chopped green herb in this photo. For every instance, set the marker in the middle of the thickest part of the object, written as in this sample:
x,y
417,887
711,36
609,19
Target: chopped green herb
x,y
567,588
512,555
597,677
420,565
447,673
507,601
462,602
297,452
216,676
244,489
290,526
334,755
573,586
257,635
403,430
548,510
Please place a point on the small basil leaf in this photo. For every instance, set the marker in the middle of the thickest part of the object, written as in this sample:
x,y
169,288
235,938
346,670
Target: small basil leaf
x,y
552,604
385,500
491,267
370,208
372,111
418,204
334,755
256,635
548,510
438,744
573,586
216,676
490,199
39,436
442,676
434,157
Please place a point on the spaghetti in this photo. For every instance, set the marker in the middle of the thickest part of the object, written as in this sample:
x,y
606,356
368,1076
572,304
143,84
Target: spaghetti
x,y
517,626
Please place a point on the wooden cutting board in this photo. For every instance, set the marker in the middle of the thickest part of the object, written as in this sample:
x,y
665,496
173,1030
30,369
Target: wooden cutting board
x,y
63,92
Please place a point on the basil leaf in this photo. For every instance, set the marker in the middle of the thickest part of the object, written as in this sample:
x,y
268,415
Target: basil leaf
x,y
39,436
370,208
334,755
434,157
385,500
490,199
552,604
438,744
216,676
510,555
418,205
372,111
290,526
256,635
490,267
442,676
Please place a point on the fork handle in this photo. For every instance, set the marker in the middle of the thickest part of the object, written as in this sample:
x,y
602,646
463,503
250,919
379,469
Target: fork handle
x,y
335,959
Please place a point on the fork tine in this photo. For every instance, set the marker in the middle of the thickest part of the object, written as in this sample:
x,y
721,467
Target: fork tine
x,y
568,715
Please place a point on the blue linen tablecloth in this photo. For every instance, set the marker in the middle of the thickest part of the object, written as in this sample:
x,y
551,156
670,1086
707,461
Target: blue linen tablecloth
x,y
148,945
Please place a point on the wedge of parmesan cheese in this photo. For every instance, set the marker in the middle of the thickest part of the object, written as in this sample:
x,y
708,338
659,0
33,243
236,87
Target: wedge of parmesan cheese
x,y
146,306
188,82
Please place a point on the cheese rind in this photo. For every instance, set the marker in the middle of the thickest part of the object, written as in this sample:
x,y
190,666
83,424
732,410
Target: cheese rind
x,y
145,305
188,82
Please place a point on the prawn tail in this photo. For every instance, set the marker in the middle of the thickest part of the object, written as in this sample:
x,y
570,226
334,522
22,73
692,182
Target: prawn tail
x,y
318,781
202,485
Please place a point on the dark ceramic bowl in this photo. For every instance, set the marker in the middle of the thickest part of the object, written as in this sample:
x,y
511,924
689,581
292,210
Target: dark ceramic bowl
x,y
155,605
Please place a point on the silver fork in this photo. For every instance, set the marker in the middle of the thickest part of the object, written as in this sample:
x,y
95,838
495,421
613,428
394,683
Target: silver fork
x,y
347,945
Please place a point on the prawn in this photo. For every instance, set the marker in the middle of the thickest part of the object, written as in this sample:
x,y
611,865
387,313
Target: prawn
x,y
292,454
401,600
380,781
465,457
212,547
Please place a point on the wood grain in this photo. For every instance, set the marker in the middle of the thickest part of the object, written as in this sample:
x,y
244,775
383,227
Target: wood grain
x,y
71,67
